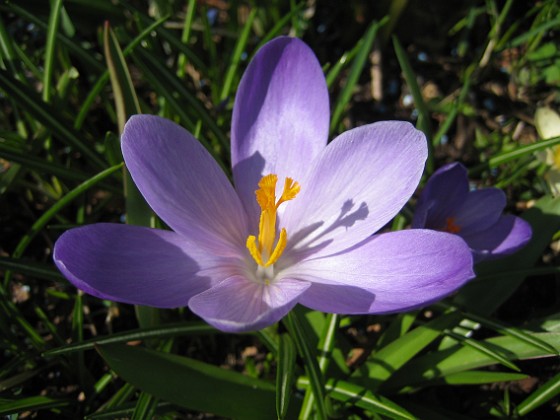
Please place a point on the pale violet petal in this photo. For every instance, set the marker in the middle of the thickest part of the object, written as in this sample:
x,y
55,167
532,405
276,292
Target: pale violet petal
x,y
183,183
238,304
280,117
138,265
397,271
355,186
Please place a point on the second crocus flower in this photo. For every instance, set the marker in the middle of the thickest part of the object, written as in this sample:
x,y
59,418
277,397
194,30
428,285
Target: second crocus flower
x,y
446,204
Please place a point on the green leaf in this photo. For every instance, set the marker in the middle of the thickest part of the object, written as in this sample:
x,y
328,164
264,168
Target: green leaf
x,y
162,331
54,20
459,359
477,377
423,115
192,384
8,407
285,374
350,393
543,394
357,68
381,365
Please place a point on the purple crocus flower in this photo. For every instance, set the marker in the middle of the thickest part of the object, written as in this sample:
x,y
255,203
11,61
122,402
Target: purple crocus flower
x,y
446,204
296,228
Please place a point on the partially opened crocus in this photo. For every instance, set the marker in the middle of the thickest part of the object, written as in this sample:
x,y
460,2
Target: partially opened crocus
x,y
296,228
446,204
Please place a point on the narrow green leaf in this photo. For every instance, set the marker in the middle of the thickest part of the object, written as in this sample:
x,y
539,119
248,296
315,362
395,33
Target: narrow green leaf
x,y
185,37
285,374
125,97
34,105
41,222
52,30
317,384
348,392
477,377
357,68
381,365
423,115
9,407
162,331
30,268
459,359
145,407
240,46
543,394
192,384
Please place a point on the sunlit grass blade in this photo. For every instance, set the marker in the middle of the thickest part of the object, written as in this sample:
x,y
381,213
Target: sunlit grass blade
x,y
285,374
41,222
190,383
316,380
394,355
460,358
235,59
280,24
484,349
54,20
478,377
33,104
142,334
104,78
10,407
423,123
353,394
355,71
185,37
542,395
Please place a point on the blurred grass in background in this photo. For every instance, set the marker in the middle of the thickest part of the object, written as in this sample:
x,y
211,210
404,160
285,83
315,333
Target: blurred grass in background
x,y
469,73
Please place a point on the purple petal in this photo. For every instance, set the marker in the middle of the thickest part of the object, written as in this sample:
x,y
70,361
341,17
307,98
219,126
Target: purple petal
x,y
444,193
355,186
397,271
507,236
238,304
137,265
280,117
182,182
480,210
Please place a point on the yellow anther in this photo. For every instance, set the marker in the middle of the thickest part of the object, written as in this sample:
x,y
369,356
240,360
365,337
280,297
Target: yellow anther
x,y
279,249
451,226
263,250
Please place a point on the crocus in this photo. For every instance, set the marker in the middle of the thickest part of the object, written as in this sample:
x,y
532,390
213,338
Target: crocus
x,y
446,204
296,228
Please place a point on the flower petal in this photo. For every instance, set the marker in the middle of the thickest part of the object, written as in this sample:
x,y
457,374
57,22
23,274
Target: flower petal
x,y
280,117
238,305
182,182
355,186
444,193
480,210
137,265
505,237
397,271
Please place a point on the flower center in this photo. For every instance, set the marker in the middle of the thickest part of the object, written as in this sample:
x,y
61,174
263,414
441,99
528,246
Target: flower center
x,y
451,226
266,249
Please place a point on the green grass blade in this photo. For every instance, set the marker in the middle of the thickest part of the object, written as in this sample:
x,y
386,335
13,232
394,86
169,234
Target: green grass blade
x,y
33,104
479,377
29,268
394,355
460,358
42,221
316,381
192,384
142,334
543,394
240,46
52,30
285,374
350,393
185,37
357,68
145,407
423,115
10,407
